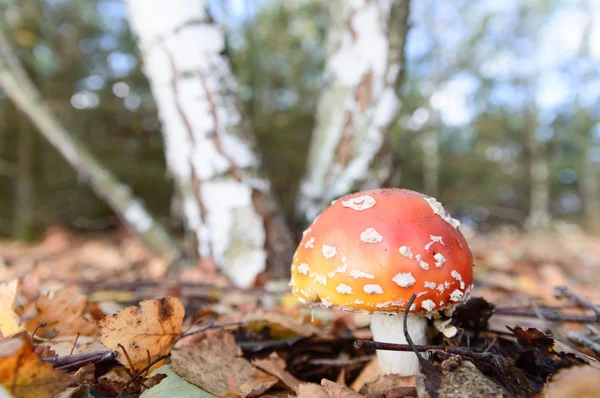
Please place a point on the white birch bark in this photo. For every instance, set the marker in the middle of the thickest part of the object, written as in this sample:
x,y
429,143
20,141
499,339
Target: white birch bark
x,y
365,64
539,201
20,89
227,201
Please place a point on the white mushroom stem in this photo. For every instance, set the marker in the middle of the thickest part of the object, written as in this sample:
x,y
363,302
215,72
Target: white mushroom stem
x,y
390,329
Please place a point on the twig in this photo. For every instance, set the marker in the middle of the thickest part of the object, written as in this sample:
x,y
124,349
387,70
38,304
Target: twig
x,y
94,359
465,351
74,344
144,369
548,314
563,291
587,339
208,327
340,362
68,359
39,325
490,346
405,328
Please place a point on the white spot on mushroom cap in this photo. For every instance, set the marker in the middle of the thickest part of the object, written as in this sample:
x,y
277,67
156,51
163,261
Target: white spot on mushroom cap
x,y
404,279
307,230
439,259
440,211
434,239
322,279
428,305
343,289
359,302
362,202
328,251
406,252
373,289
370,235
456,296
441,287
422,264
292,282
456,275
430,285
310,243
325,302
300,299
412,307
356,273
303,268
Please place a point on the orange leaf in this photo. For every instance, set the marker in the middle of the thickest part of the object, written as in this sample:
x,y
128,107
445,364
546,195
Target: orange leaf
x,y
61,310
24,374
145,334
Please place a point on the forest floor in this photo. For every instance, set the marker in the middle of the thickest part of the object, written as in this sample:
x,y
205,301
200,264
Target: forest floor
x,y
68,302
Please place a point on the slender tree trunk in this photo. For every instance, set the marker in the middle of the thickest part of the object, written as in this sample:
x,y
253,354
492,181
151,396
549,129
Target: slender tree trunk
x,y
590,191
25,220
539,174
431,161
349,149
17,85
210,150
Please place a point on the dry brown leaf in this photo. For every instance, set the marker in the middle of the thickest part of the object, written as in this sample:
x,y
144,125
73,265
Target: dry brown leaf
x,y
578,381
369,374
215,365
61,310
145,334
327,389
24,374
9,320
276,366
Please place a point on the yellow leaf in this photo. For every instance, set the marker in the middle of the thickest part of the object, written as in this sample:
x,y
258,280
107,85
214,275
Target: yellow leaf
x,y
24,374
145,334
9,320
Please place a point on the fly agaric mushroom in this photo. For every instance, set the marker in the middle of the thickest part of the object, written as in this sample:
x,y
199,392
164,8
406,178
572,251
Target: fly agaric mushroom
x,y
371,251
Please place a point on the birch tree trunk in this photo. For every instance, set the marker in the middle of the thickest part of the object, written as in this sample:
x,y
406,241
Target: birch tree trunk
x,y
19,88
590,189
210,150
431,160
539,174
349,149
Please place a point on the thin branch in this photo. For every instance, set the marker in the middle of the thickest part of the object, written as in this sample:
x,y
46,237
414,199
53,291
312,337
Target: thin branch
x,y
548,314
563,291
208,327
464,351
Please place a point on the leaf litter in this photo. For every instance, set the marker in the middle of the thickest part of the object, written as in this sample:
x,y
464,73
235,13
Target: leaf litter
x,y
97,316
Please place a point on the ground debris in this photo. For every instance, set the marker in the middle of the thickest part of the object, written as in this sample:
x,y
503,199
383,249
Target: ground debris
x,y
211,339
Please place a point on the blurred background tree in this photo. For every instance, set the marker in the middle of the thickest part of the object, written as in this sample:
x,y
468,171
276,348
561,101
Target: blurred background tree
x,y
500,115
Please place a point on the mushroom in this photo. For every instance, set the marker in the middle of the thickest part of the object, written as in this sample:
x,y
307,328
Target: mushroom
x,y
371,251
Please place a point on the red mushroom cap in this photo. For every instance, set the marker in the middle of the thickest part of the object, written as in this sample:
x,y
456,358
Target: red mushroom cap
x,y
372,250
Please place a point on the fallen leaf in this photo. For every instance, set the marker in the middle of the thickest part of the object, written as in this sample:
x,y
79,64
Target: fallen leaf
x,y
215,365
9,320
391,385
369,374
173,386
578,381
463,379
61,310
276,366
24,374
145,334
327,389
